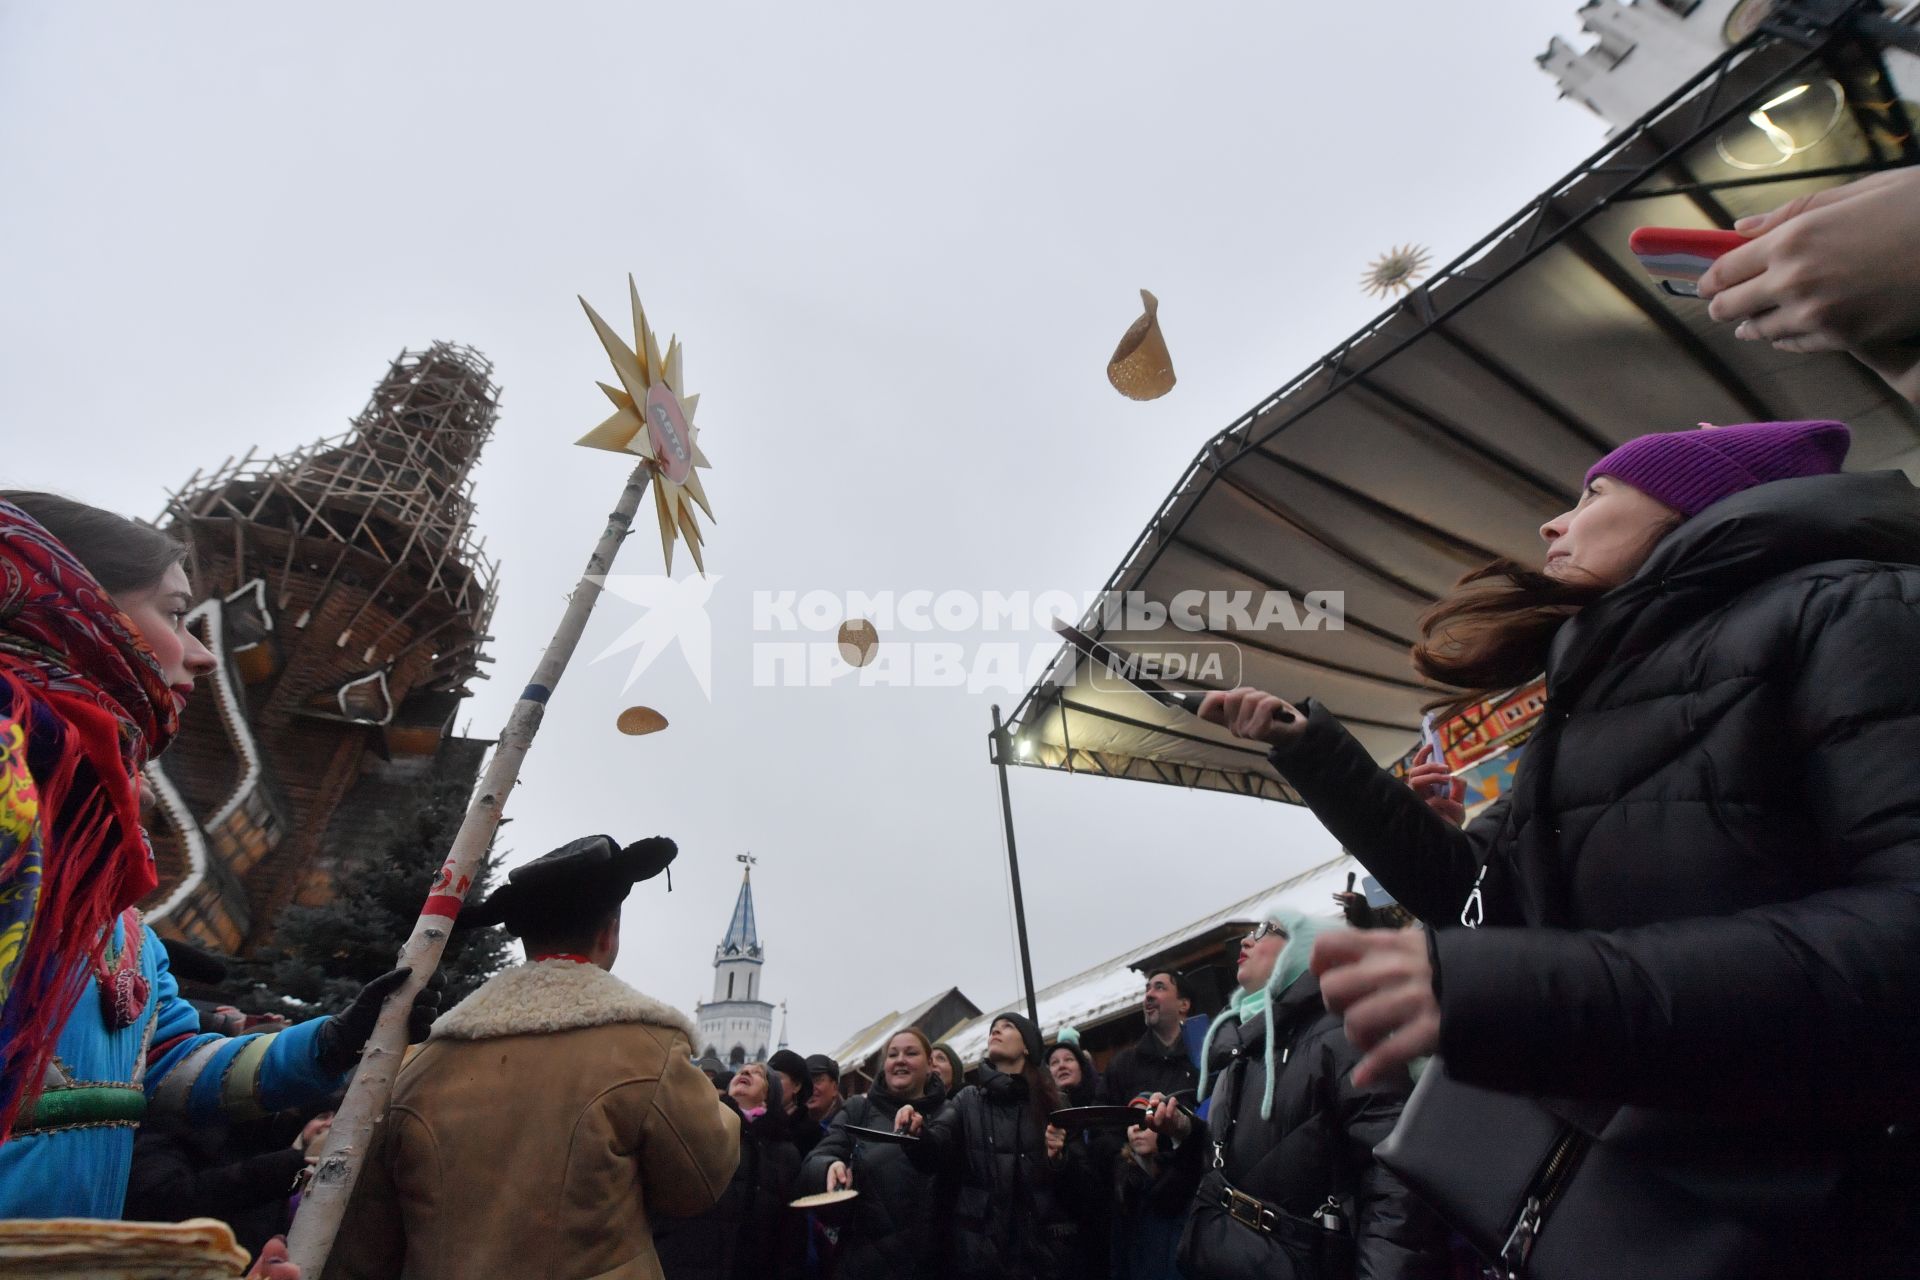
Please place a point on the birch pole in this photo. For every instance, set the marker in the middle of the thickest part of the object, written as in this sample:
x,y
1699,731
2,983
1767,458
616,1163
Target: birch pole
x,y
325,1202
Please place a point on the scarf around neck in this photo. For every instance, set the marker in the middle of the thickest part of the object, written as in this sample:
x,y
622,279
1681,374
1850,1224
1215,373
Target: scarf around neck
x,y
83,705
1288,966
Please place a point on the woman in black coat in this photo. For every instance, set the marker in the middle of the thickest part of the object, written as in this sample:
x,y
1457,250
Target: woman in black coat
x,y
793,1084
1294,1134
1079,1084
1021,1184
893,1229
947,1065
1699,914
749,1234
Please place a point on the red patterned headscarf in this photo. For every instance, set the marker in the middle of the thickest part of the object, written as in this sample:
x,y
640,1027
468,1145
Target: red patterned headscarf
x,y
83,705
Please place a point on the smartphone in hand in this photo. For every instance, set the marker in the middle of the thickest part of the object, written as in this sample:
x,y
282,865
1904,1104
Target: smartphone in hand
x,y
1677,257
1430,733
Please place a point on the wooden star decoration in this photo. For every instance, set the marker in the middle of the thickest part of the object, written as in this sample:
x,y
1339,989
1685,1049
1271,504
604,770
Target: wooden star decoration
x,y
653,417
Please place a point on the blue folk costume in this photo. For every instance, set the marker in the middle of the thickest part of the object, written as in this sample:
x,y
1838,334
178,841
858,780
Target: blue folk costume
x,y
93,1033
70,1150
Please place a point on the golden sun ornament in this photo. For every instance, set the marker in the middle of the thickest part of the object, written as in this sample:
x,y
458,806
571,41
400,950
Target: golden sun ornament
x,y
1396,270
653,417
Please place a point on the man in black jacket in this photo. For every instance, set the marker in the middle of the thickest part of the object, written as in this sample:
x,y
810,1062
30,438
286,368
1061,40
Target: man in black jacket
x,y
1150,1211
824,1103
1158,1062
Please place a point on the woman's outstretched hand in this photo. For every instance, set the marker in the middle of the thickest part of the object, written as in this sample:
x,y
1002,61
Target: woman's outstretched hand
x,y
1426,774
907,1121
1381,982
1831,271
1256,716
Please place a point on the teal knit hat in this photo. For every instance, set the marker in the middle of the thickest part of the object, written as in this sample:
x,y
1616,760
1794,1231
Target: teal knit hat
x,y
1301,929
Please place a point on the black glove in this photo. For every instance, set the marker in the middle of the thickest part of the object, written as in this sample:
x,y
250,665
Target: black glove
x,y
346,1033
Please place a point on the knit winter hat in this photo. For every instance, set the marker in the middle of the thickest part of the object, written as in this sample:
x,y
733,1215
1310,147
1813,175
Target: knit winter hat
x,y
1029,1034
1068,1039
1301,929
1692,470
959,1064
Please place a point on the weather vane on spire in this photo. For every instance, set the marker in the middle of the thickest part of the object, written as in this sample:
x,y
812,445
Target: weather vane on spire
x,y
746,858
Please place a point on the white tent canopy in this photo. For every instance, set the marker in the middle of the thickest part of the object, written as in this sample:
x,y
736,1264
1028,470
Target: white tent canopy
x,y
1445,434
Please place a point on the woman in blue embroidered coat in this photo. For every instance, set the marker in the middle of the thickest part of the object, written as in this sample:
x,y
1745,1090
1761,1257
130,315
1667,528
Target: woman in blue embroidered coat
x,y
96,663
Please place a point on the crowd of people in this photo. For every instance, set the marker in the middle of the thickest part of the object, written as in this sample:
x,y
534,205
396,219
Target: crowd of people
x,y
1656,1012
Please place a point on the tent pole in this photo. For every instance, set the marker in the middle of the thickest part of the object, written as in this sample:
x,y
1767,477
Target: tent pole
x,y
1002,742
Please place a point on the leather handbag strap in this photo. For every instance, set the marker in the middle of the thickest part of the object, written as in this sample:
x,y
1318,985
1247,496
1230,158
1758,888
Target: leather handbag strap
x,y
1236,1074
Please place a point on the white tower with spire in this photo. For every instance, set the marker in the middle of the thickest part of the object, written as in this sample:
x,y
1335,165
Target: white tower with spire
x,y
1643,51
736,1026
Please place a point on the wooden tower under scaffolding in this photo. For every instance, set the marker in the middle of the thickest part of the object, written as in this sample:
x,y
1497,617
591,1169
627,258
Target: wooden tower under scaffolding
x,y
347,599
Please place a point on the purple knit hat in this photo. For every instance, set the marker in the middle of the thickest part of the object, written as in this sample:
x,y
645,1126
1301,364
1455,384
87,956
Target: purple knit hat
x,y
1692,470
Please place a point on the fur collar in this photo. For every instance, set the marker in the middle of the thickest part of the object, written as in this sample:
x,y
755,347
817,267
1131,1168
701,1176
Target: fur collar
x,y
552,995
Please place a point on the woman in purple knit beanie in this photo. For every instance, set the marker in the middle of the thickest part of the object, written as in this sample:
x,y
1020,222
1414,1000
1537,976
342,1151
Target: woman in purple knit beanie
x,y
1692,924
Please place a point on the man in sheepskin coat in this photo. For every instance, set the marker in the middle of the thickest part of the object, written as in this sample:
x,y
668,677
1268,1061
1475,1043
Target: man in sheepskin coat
x,y
552,1113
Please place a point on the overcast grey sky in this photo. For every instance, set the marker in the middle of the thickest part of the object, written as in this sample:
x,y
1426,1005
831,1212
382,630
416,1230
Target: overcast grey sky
x,y
899,243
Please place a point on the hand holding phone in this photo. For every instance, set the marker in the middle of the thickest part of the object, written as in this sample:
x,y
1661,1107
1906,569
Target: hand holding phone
x,y
1677,257
1431,735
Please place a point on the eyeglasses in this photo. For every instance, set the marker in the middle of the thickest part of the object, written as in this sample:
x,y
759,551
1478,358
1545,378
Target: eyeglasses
x,y
1260,931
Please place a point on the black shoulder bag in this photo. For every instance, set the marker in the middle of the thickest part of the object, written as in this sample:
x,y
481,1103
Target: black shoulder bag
x,y
1542,1199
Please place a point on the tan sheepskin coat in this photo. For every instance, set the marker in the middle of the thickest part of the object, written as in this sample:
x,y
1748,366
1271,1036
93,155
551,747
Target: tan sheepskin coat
x,y
547,1119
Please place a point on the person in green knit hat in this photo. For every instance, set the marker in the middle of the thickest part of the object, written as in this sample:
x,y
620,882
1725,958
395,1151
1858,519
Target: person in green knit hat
x,y
1284,1180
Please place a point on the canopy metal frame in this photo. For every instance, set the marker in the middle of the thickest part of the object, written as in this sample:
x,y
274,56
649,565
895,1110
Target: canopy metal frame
x,y
1843,39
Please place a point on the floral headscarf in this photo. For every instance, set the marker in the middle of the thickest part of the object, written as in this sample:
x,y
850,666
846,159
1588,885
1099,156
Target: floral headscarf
x,y
83,705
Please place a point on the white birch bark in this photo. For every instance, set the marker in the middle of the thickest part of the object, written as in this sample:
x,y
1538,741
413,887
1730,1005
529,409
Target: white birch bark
x,y
325,1202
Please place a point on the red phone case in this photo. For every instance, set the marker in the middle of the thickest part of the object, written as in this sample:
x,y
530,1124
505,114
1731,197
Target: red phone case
x,y
1677,257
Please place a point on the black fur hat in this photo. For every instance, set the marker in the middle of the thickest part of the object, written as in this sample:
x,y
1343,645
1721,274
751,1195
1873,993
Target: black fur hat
x,y
571,887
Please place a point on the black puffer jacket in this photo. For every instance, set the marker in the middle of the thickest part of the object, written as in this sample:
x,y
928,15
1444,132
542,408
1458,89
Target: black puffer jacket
x,y
1015,1214
749,1234
892,1229
1318,1141
1100,1150
1146,1068
1714,847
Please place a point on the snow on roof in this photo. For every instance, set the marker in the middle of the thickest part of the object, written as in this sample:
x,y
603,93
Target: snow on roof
x,y
1111,988
865,1041
870,1040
